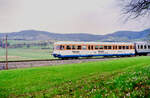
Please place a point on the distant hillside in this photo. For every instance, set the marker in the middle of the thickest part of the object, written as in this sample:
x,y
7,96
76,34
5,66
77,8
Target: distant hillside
x,y
43,35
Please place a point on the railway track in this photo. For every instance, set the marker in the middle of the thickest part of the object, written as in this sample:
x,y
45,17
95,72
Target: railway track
x,y
47,62
30,60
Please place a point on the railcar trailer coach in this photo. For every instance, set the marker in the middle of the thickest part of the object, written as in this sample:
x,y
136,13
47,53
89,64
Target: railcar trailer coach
x,y
90,49
142,48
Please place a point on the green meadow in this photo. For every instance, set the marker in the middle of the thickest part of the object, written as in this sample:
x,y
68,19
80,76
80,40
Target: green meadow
x,y
125,77
26,54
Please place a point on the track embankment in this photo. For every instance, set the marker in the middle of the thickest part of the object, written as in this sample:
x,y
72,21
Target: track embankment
x,y
53,62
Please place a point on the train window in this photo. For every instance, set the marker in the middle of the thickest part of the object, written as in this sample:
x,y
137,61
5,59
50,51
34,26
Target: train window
x,y
120,47
73,47
105,47
114,47
138,46
68,47
89,48
92,47
84,47
100,47
109,47
123,47
141,46
131,47
62,47
144,46
96,47
148,46
127,47
79,48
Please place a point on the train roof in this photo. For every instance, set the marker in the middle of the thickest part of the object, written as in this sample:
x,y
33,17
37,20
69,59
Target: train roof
x,y
143,42
72,42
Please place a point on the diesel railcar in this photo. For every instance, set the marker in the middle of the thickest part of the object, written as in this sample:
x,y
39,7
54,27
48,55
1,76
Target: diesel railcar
x,y
90,49
142,48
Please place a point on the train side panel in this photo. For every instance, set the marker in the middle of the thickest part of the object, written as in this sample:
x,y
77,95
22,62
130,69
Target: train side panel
x,y
63,53
87,53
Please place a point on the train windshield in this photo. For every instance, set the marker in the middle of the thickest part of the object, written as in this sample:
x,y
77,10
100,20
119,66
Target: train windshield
x,y
57,47
60,47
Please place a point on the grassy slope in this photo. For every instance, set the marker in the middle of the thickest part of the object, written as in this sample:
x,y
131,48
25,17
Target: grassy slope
x,y
85,79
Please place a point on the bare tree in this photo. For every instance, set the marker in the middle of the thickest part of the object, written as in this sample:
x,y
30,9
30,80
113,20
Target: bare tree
x,y
136,8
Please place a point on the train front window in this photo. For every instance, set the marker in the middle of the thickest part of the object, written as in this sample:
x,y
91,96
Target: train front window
x,y
57,47
68,47
62,47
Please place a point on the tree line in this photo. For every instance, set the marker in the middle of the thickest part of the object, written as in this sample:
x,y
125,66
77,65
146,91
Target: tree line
x,y
41,45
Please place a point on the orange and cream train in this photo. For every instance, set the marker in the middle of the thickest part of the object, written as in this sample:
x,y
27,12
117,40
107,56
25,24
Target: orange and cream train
x,y
89,49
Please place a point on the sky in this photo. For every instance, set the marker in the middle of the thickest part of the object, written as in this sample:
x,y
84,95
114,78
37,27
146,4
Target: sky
x,y
66,16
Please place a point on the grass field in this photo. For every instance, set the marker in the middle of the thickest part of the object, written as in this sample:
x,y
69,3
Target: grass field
x,y
26,54
128,77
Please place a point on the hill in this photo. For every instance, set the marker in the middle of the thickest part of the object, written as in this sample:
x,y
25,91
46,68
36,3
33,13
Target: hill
x,y
43,35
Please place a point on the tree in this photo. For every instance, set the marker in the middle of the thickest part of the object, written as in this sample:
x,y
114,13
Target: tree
x,y
136,8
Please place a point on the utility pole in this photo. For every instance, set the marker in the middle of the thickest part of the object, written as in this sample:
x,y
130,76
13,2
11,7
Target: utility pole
x,y
6,54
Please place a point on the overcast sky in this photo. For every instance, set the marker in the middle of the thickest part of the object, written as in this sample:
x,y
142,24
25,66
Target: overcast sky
x,y
65,16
